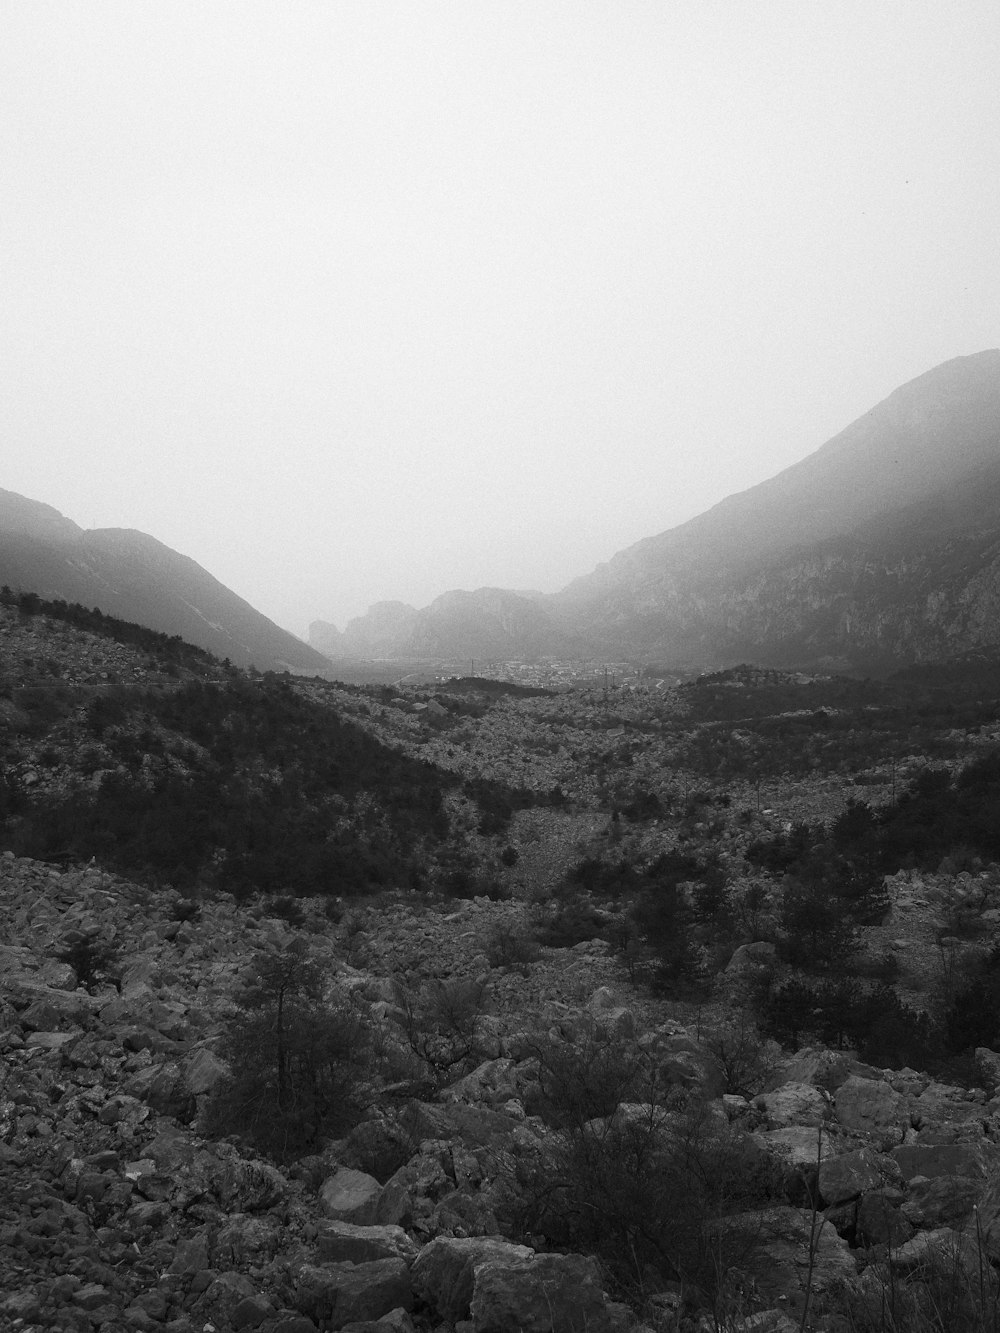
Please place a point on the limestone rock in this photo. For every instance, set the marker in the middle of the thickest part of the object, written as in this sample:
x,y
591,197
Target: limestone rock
x,y
849,1175
943,1159
346,1241
944,1201
793,1104
343,1293
880,1221
544,1293
868,1106
246,1186
444,1272
350,1196
779,1240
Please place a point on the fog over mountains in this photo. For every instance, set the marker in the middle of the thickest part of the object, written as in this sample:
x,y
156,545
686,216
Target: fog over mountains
x,y
882,546
137,578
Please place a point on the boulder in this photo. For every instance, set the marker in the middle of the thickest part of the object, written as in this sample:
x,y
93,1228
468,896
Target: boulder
x,y
941,1104
849,1175
338,1294
244,1240
338,1242
350,1196
542,1293
409,1196
880,1221
944,1201
203,1072
777,1242
941,1159
221,1298
246,1186
396,1321
797,1145
444,1272
943,1249
794,1104
869,1106
823,1068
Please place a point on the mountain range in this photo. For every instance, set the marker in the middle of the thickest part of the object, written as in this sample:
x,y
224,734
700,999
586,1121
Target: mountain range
x,y
881,547
134,577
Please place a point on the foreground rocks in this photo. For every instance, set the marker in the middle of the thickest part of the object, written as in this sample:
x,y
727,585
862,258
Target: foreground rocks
x,y
117,1211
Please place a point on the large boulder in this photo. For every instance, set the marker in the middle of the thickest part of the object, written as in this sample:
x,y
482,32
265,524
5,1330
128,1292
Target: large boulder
x,y
350,1196
794,1104
778,1245
444,1274
869,1106
543,1293
880,1221
849,1175
338,1242
337,1294
943,1201
943,1159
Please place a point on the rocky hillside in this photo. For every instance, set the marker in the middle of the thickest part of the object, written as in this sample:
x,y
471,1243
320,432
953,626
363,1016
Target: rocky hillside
x,y
879,549
488,1009
861,550
819,1178
134,577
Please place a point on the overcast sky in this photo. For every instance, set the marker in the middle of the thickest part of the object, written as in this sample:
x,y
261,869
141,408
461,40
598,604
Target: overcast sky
x,y
355,299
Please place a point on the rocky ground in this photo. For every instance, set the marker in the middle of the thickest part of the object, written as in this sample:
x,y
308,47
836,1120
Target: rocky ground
x,y
118,1213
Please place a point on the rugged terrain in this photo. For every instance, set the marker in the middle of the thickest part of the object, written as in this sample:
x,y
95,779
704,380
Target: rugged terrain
x,y
492,1008
879,549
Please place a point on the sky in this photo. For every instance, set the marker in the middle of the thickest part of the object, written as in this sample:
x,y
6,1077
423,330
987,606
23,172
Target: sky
x,y
355,300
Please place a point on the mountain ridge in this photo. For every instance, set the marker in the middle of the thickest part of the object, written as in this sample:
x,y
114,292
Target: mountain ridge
x,y
136,577
918,465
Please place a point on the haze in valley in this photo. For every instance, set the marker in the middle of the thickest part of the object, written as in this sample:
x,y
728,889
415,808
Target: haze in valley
x,y
361,301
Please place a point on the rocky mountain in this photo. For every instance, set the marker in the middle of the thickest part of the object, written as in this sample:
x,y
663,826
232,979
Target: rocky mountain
x,y
881,548
136,578
488,623
881,545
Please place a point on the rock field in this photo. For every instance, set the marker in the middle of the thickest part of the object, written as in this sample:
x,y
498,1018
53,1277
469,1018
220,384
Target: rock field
x,y
118,1213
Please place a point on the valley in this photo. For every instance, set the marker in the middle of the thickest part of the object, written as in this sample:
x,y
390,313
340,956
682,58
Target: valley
x,y
625,959
714,958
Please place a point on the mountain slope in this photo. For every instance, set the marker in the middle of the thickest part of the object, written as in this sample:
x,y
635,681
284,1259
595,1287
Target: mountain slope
x,y
137,578
882,544
880,547
488,623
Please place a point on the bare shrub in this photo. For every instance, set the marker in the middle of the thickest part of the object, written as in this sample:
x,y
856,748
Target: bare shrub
x,y
643,1190
746,1059
954,1287
442,1023
510,946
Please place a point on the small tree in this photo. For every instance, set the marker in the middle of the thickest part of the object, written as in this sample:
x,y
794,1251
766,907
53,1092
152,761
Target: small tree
x,y
301,1058
92,959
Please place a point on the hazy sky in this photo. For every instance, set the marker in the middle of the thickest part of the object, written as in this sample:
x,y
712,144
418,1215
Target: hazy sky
x,y
357,299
